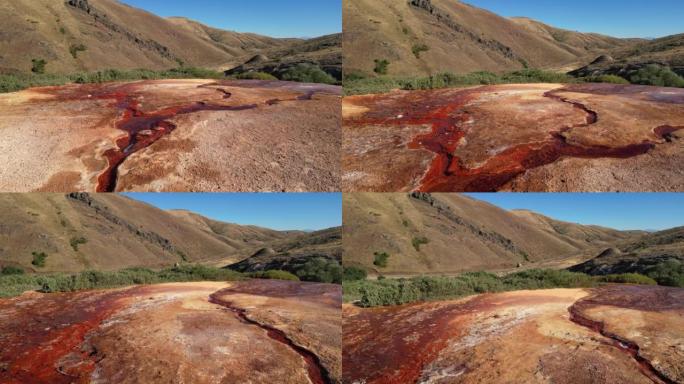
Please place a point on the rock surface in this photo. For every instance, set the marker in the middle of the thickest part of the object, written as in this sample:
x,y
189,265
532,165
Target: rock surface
x,y
171,135
255,331
524,137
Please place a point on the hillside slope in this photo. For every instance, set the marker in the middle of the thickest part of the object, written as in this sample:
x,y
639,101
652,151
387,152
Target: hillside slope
x,y
458,38
108,231
115,35
450,233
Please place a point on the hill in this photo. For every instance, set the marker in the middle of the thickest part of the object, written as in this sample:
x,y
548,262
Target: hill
x,y
452,233
77,35
420,37
659,255
81,231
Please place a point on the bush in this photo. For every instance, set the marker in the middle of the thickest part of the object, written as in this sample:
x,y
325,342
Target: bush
x,y
418,241
75,49
307,73
75,241
627,278
275,274
670,273
611,79
380,259
418,48
38,66
381,66
10,270
256,76
320,269
657,75
39,259
354,273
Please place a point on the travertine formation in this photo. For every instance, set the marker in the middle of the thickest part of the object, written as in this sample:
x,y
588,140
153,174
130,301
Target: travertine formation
x,y
171,135
615,334
524,137
253,331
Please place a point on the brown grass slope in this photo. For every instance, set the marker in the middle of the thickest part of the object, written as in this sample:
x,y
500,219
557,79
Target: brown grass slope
x,y
120,232
463,234
116,36
460,38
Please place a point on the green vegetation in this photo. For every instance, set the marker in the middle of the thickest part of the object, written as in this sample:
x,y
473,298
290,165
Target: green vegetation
x,y
274,274
10,270
12,285
358,84
75,241
380,259
670,273
320,269
256,76
418,48
62,30
369,293
307,73
39,259
38,66
74,49
381,66
611,79
657,75
627,278
418,241
16,82
354,273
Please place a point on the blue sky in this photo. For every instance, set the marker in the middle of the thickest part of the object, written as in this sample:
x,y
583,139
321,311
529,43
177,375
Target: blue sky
x,y
619,18
620,211
277,18
282,211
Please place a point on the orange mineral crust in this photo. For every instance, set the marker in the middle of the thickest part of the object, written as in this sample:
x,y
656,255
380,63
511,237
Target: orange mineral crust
x,y
523,137
613,334
171,135
201,332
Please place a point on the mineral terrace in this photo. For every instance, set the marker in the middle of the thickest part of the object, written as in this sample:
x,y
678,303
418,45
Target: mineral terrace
x,y
171,135
524,137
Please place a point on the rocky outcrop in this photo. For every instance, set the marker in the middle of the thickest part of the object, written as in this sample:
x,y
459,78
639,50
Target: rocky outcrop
x,y
104,212
445,19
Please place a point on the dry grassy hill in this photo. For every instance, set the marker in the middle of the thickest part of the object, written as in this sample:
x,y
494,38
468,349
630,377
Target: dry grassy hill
x,y
115,35
429,36
107,231
450,233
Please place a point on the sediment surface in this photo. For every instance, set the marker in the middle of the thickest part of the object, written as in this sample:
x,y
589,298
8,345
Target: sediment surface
x,y
523,137
613,334
171,135
252,331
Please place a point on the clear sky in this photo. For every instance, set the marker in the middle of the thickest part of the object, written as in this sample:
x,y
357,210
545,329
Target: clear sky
x,y
277,18
281,211
647,211
619,18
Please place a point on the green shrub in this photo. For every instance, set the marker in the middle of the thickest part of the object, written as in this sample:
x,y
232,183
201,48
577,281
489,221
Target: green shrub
x,y
39,259
256,76
274,274
307,73
10,270
418,241
627,278
418,48
380,259
381,66
354,273
320,269
657,75
75,241
611,79
38,66
354,76
670,273
74,49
